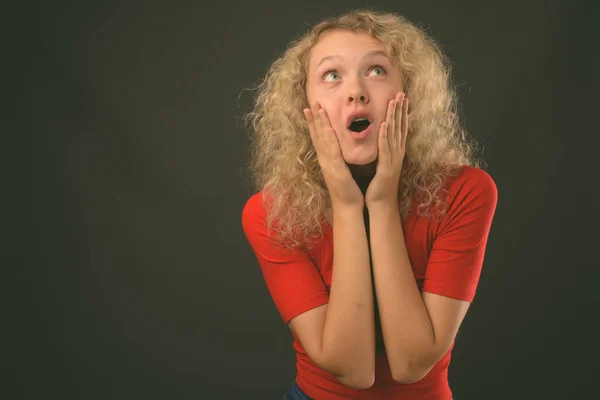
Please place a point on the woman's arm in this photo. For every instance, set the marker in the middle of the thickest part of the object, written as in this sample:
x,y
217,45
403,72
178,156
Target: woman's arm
x,y
340,337
417,330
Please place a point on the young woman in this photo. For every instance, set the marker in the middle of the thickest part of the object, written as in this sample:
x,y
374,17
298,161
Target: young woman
x,y
371,216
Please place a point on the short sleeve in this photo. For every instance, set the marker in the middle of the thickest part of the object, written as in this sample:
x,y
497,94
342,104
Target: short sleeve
x,y
457,254
292,279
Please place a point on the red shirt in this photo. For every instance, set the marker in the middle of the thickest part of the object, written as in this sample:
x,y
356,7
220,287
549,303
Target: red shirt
x,y
446,258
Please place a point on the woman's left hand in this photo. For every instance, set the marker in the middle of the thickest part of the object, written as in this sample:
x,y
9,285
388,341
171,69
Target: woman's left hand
x,y
392,148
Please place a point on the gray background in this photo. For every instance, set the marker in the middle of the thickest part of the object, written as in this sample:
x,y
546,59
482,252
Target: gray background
x,y
134,278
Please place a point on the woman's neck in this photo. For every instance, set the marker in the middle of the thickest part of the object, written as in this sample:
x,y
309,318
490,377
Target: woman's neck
x,y
363,174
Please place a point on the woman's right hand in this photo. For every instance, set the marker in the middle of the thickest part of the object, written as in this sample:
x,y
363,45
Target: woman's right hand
x,y
342,187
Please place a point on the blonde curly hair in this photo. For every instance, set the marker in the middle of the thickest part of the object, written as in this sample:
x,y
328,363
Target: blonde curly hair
x,y
283,163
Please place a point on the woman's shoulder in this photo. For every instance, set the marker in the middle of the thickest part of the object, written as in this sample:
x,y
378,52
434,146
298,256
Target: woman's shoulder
x,y
258,207
471,180
254,207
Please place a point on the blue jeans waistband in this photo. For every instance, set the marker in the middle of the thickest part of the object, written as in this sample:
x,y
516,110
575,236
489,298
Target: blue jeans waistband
x,y
295,393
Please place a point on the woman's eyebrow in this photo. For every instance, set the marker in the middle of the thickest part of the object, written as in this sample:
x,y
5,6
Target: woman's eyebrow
x,y
373,53
367,55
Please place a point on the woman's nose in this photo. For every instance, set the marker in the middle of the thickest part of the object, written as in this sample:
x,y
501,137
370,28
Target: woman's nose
x,y
362,98
357,93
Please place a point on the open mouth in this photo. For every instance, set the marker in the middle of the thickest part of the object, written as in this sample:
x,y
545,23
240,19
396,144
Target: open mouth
x,y
359,124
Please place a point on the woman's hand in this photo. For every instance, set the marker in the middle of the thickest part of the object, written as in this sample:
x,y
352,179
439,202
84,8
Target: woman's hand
x,y
342,187
392,148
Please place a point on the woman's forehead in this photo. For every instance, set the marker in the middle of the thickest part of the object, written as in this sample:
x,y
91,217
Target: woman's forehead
x,y
343,44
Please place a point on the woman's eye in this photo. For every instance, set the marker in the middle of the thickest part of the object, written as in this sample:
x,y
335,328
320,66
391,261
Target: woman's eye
x,y
330,76
378,70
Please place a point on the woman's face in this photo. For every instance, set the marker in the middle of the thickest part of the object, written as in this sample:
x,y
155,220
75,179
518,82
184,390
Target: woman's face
x,y
349,75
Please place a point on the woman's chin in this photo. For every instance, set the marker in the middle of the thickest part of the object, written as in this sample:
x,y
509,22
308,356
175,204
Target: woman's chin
x,y
361,159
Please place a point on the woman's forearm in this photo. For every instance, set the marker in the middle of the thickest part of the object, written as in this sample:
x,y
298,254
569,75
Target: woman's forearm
x,y
405,323
349,329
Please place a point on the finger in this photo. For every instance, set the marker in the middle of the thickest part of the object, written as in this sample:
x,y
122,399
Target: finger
x,y
398,121
319,120
389,114
316,107
322,125
393,132
389,119
404,124
310,120
315,116
384,150
312,129
325,119
328,133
